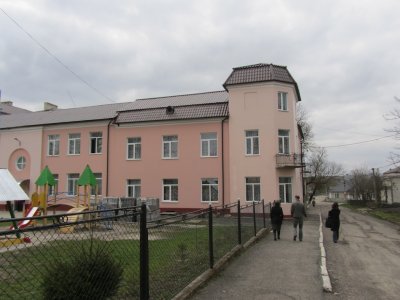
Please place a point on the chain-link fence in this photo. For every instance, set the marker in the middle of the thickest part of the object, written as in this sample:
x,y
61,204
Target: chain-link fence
x,y
119,253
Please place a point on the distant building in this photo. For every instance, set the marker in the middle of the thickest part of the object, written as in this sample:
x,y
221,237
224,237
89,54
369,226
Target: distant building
x,y
391,186
342,190
189,151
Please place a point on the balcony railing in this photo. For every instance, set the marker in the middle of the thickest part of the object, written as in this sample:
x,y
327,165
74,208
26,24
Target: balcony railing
x,y
293,160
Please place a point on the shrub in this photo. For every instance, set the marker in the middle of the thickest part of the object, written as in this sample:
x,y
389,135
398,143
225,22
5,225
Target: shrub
x,y
92,275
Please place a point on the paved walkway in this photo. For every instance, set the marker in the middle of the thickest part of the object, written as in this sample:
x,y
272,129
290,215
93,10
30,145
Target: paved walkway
x,y
269,269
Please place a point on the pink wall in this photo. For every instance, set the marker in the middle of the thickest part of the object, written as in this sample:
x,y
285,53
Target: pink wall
x,y
255,107
63,164
26,142
151,169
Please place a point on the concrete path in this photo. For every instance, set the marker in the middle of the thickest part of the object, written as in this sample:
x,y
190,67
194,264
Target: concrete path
x,y
282,269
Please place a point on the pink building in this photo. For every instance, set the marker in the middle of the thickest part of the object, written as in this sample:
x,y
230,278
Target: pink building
x,y
188,150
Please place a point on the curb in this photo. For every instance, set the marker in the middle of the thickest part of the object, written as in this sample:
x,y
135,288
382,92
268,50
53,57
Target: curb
x,y
326,281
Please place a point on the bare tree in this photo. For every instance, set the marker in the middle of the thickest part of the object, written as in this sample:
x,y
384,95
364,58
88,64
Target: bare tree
x,y
323,173
394,115
303,122
366,185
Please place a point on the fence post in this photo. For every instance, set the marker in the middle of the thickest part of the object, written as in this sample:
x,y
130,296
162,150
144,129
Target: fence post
x,y
263,204
254,218
210,237
144,255
239,223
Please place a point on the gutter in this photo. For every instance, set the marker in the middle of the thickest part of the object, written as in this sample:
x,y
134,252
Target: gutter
x,y
222,161
108,156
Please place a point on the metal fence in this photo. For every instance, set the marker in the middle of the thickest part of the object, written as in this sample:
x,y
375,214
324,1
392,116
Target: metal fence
x,y
85,255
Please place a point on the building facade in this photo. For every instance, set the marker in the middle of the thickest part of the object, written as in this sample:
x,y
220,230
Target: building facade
x,y
190,151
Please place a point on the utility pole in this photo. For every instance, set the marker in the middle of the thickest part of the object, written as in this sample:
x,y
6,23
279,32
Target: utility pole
x,y
373,177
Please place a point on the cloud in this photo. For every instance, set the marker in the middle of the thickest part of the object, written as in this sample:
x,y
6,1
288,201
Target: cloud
x,y
343,54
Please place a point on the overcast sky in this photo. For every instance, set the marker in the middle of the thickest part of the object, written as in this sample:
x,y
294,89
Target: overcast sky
x,y
344,55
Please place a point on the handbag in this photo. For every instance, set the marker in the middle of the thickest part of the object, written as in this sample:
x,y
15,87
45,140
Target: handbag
x,y
328,222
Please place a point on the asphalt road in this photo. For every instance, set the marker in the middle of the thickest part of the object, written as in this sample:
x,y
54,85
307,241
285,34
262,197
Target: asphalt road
x,y
365,263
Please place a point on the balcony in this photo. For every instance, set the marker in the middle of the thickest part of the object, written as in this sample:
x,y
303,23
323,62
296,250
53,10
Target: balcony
x,y
289,160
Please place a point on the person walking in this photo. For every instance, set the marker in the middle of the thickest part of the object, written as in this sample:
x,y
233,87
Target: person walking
x,y
298,211
334,215
276,219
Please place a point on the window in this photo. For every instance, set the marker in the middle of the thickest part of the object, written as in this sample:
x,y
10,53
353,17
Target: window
x,y
285,189
71,182
252,147
96,141
170,146
282,101
133,188
283,140
253,189
52,189
170,190
53,148
209,144
134,148
99,181
74,143
20,163
209,189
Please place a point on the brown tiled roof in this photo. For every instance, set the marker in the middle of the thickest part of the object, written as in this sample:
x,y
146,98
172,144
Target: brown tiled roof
x,y
110,111
199,111
260,73
179,100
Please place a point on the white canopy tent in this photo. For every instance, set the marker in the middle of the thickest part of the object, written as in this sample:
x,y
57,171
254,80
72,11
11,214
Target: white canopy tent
x,y
10,190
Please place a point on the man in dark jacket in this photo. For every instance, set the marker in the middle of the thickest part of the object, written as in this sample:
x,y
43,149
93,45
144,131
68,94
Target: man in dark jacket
x,y
297,211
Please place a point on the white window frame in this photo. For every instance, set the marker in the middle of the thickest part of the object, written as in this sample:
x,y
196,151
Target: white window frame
x,y
169,144
72,178
283,141
134,148
53,145
99,181
282,101
254,186
171,185
286,189
20,163
96,141
207,186
133,188
74,144
251,141
51,190
209,144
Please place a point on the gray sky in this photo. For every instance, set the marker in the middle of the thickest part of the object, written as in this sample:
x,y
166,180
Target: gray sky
x,y
343,55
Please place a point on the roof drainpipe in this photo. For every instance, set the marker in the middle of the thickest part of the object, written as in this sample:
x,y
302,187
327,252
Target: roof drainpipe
x,y
222,162
108,156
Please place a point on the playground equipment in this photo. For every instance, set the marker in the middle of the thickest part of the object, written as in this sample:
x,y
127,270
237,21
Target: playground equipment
x,y
33,211
87,180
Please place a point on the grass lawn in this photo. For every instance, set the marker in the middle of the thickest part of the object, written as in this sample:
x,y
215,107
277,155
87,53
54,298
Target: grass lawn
x,y
176,257
380,213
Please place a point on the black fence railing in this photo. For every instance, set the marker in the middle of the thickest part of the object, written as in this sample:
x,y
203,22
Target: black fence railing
x,y
118,253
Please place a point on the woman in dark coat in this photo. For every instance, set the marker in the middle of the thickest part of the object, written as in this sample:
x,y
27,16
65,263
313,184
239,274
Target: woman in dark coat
x,y
276,219
334,215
